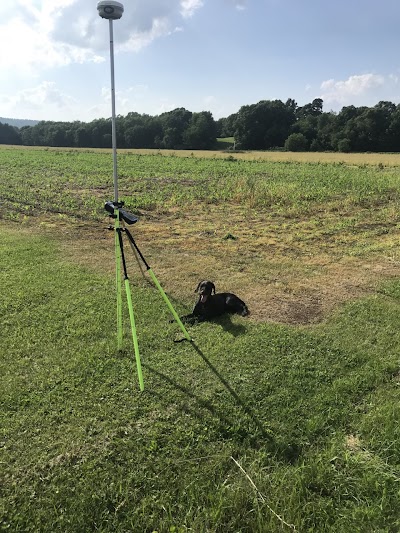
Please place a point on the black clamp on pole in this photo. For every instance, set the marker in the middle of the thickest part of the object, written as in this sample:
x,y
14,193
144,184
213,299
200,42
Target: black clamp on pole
x,y
124,215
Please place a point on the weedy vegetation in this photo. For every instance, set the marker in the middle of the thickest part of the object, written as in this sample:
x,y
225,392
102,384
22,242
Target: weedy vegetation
x,y
287,421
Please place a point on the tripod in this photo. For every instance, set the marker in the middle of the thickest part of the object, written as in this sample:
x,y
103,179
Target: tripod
x,y
112,10
122,216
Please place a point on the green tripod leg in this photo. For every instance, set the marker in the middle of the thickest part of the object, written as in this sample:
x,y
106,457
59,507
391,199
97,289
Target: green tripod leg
x,y
118,280
130,307
134,336
171,308
157,284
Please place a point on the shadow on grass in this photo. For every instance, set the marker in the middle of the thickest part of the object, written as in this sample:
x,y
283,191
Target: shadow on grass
x,y
231,427
234,329
201,402
260,436
245,407
287,451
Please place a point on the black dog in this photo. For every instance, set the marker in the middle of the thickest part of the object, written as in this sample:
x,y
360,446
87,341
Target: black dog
x,y
211,305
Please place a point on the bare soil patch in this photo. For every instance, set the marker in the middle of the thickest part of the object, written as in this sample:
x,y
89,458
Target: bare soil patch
x,y
287,270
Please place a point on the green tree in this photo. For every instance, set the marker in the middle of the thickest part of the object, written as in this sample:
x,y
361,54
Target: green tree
x,y
344,145
346,114
174,124
314,109
26,135
326,127
226,126
307,122
296,142
106,141
394,131
263,125
9,134
139,136
82,137
201,131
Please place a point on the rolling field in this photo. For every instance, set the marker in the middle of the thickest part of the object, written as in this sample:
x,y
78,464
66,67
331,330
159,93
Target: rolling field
x,y
285,421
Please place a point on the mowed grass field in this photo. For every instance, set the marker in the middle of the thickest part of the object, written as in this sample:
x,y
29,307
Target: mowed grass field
x,y
284,421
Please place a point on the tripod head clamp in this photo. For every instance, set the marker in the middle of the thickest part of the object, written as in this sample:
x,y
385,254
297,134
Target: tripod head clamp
x,y
127,217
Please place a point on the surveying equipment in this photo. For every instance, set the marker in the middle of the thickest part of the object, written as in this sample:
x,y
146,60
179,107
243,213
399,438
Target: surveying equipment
x,y
111,11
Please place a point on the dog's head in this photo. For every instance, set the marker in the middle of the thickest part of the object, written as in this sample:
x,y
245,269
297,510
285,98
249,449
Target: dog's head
x,y
205,289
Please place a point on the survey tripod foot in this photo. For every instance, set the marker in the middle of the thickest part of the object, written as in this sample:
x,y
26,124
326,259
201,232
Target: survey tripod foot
x,y
122,217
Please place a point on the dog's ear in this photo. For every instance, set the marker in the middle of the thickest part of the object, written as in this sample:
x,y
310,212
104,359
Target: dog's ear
x,y
198,287
213,287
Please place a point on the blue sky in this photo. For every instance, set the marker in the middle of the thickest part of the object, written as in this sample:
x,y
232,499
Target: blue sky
x,y
204,55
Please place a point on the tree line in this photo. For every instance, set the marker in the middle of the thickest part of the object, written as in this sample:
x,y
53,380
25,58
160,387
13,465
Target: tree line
x,y
177,129
269,124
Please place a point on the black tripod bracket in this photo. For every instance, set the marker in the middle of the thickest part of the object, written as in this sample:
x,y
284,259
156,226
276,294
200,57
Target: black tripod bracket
x,y
124,215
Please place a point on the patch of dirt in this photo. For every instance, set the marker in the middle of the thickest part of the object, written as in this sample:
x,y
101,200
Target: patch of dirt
x,y
287,270
353,443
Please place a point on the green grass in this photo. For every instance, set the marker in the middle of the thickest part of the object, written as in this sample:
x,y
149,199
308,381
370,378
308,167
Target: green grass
x,y
311,414
73,183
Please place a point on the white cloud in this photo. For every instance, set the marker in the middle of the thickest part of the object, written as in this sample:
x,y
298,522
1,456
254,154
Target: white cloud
x,y
240,5
160,28
130,99
40,34
48,102
26,44
39,100
163,105
125,99
188,7
209,100
141,23
355,87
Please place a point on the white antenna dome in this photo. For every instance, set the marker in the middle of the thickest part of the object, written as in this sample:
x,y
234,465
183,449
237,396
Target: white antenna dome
x,y
109,9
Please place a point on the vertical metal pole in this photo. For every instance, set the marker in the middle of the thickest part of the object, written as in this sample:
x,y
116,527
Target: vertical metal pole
x,y
114,133
115,175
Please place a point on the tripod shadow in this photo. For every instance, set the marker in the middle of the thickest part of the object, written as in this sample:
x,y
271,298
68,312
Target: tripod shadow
x,y
201,402
257,433
289,452
239,401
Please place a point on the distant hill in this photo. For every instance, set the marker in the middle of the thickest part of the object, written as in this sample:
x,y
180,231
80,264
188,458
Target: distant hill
x,y
18,122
